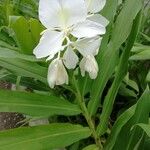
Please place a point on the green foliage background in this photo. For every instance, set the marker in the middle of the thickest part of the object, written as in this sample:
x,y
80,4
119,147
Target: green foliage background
x,y
110,113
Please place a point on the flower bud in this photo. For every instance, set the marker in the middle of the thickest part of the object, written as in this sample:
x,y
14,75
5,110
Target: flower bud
x,y
89,64
57,74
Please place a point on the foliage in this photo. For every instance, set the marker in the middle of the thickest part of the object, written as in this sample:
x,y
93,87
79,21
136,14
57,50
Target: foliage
x,y
110,113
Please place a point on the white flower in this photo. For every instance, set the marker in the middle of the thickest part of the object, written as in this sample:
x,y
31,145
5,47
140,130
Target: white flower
x,y
62,18
70,58
57,74
88,46
95,6
89,64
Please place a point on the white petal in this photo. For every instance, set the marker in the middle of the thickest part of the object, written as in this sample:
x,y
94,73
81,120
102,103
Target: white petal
x,y
61,13
99,19
95,6
57,74
89,65
70,58
51,76
82,66
88,29
89,46
62,76
50,43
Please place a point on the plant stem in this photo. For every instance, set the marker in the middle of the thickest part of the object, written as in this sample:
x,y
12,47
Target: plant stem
x,y
85,113
18,82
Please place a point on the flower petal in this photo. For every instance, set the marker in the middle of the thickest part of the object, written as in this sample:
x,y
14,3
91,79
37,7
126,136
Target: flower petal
x,y
51,76
61,13
99,19
89,46
95,6
62,76
88,29
89,65
50,43
70,58
57,74
82,66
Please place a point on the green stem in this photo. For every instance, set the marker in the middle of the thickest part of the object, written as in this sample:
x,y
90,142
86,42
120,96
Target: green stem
x,y
18,83
85,113
84,86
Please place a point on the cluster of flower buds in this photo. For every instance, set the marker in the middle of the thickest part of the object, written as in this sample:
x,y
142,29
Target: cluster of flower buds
x,y
73,29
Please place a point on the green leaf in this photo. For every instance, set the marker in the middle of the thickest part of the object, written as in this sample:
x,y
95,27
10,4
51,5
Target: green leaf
x,y
4,73
144,55
145,127
6,45
121,121
131,83
74,146
119,76
36,28
28,8
127,138
91,147
147,144
107,68
110,9
4,10
43,137
25,68
141,116
35,104
124,22
146,36
125,91
139,48
7,53
28,39
148,77
121,31
6,38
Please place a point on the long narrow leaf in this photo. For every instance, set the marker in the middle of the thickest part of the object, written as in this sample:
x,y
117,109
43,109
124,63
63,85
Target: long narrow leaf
x,y
9,54
42,137
25,68
128,138
121,121
145,127
35,104
119,76
107,64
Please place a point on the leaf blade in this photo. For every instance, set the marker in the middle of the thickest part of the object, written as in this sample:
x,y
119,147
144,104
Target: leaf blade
x,y
107,67
119,76
25,68
35,104
43,137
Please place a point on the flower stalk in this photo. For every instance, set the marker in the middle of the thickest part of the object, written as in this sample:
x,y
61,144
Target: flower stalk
x,y
81,102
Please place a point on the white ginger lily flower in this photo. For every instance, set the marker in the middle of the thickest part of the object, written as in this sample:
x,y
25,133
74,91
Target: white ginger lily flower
x,y
62,18
89,48
57,74
90,65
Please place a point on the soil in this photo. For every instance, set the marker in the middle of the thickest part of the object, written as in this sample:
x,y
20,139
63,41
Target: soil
x,y
9,120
